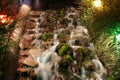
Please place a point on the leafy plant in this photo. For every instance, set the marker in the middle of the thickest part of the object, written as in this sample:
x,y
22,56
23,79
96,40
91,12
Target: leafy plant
x,y
103,26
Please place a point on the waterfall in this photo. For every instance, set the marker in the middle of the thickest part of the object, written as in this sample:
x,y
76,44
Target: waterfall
x,y
63,51
100,71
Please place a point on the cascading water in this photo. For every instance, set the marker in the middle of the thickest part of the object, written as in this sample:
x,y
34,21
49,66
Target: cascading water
x,y
64,53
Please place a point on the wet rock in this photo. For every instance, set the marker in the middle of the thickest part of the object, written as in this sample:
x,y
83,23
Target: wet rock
x,y
27,72
30,25
64,49
32,73
89,66
63,38
78,56
47,44
24,78
66,32
36,43
35,13
84,50
47,36
21,60
35,52
24,53
63,21
33,19
84,41
82,54
30,31
30,62
25,43
66,61
22,70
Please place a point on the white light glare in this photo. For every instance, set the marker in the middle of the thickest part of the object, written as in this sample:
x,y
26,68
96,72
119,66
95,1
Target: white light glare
x,y
118,37
97,3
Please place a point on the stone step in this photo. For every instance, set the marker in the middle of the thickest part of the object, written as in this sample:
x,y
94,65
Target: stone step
x,y
35,13
24,73
30,24
23,53
30,62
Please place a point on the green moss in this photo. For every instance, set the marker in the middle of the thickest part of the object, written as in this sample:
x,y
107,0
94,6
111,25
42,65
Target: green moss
x,y
47,36
62,35
66,61
78,56
68,58
44,37
63,50
62,12
52,19
82,54
85,51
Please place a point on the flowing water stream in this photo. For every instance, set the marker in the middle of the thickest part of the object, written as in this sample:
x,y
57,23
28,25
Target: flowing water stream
x,y
73,64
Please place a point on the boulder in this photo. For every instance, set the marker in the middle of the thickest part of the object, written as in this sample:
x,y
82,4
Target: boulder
x,y
30,62
22,70
24,53
47,36
24,78
30,25
35,52
25,44
63,38
35,13
64,49
66,31
82,54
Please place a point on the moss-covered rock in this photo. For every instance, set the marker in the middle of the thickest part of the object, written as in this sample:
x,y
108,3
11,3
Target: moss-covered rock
x,y
86,51
47,36
63,38
66,61
68,58
66,31
64,49
82,54
78,55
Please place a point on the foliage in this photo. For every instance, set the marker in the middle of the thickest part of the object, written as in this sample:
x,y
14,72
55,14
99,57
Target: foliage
x,y
99,20
8,7
103,25
5,56
3,47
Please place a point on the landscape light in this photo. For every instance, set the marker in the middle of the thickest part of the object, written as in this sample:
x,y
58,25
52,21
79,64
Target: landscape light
x,y
97,3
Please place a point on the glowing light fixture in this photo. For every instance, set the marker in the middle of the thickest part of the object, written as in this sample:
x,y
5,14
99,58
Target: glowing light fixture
x,y
3,16
24,10
4,19
97,3
118,37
